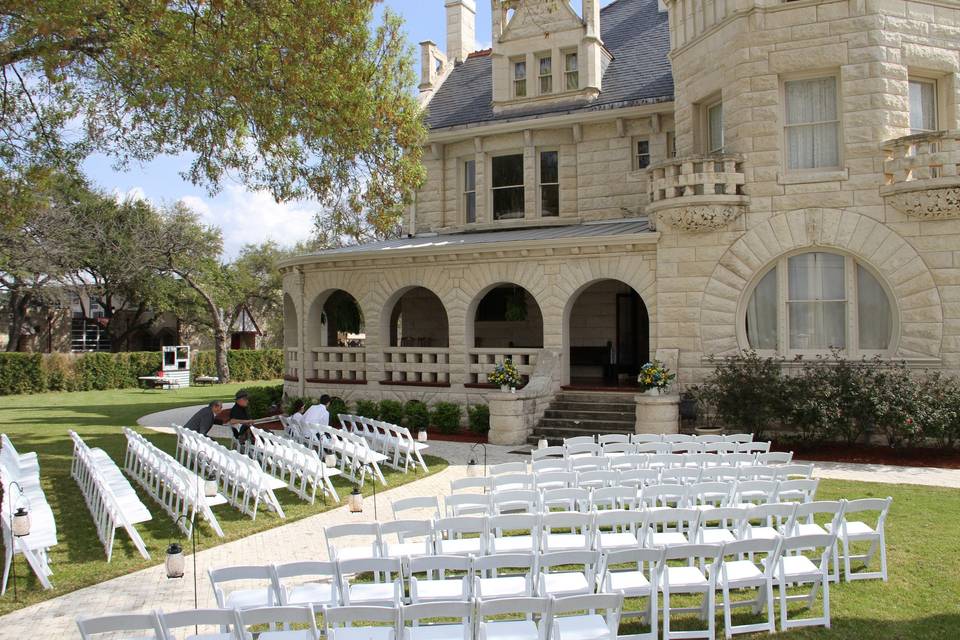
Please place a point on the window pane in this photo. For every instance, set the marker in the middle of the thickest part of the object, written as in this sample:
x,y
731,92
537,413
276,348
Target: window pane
x,y
762,313
507,170
550,200
519,70
816,276
923,106
546,84
508,203
548,166
643,154
817,325
545,65
469,175
715,125
875,319
470,205
812,100
813,146
571,62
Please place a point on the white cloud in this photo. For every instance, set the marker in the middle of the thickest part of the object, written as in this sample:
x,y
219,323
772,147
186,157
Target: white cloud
x,y
133,193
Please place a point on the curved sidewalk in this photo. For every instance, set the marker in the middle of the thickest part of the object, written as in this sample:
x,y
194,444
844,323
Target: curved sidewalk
x,y
302,540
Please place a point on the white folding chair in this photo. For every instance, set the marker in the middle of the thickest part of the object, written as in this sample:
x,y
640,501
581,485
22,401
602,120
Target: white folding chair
x,y
462,504
690,579
413,615
635,573
589,463
738,437
656,447
721,525
523,530
643,438
566,499
747,493
544,480
549,464
577,528
662,496
775,457
515,501
567,573
597,479
749,564
671,527
282,619
443,578
795,568
555,451
414,538
225,621
429,503
508,467
629,462
674,438
754,447
617,497
795,471
858,531
122,622
767,520
707,495
247,596
512,482
460,535
611,438
386,588
639,478
578,617
804,523
513,619
617,449
352,623
368,531
307,583
506,575
797,490
618,529
464,484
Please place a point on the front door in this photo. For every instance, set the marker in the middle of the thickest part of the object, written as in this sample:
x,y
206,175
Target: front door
x,y
633,338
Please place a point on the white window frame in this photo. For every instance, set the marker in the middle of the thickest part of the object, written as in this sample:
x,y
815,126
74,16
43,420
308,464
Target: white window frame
x,y
568,74
920,79
491,190
637,155
516,82
541,184
784,80
852,313
708,128
541,57
464,192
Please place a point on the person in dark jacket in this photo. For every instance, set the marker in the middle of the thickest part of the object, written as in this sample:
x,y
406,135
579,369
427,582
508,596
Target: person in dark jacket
x,y
203,420
240,417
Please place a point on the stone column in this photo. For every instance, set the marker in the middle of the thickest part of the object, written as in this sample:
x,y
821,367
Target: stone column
x,y
656,414
511,416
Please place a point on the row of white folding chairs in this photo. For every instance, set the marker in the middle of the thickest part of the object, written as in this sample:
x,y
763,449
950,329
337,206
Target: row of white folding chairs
x,y
177,489
241,479
645,461
393,441
24,470
355,458
613,449
539,619
112,501
640,438
299,466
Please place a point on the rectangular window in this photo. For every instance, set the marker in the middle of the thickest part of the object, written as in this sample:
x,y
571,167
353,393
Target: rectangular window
x,y
715,128
470,190
520,79
570,72
641,154
549,184
546,75
812,123
507,186
817,301
923,105
671,144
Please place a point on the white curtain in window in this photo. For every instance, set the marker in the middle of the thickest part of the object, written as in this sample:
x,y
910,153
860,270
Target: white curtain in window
x,y
762,313
875,318
817,301
715,127
922,106
812,131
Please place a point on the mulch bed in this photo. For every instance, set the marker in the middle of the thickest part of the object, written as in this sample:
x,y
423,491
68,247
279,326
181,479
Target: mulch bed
x,y
460,436
873,454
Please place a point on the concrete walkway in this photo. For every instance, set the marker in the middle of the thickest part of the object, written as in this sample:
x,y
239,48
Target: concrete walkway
x,y
303,540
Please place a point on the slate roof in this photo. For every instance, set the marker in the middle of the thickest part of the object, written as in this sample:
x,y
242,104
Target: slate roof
x,y
632,30
436,241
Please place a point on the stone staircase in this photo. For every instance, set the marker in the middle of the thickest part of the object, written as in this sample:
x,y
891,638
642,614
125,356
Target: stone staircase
x,y
580,413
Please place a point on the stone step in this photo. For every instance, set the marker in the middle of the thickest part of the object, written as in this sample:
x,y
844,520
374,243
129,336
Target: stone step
x,y
595,397
593,414
556,434
588,426
619,407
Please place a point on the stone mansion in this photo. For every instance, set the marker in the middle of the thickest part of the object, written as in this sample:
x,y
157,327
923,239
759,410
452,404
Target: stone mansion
x,y
654,178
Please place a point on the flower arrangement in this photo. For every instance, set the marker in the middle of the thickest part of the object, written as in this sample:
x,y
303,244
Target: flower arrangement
x,y
654,375
504,374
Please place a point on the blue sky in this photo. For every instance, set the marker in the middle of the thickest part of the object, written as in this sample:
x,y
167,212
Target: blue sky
x,y
253,217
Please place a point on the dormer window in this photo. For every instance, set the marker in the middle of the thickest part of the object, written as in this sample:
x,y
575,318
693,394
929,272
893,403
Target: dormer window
x,y
570,72
546,74
520,78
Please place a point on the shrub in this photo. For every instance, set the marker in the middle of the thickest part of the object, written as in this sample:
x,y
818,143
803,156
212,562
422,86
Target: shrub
x,y
445,416
416,415
336,407
367,409
245,364
478,417
391,411
21,373
264,399
745,392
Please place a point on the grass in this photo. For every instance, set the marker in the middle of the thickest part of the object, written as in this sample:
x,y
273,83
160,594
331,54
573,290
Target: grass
x,y
40,423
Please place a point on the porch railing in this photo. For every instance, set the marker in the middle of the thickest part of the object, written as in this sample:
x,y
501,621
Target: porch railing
x,y
922,174
292,363
480,362
340,364
416,365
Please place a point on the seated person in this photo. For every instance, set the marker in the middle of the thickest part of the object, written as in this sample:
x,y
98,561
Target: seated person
x,y
240,420
203,420
296,411
318,413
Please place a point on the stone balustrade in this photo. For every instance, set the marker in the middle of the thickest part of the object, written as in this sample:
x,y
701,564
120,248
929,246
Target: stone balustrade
x,y
292,364
416,366
344,365
697,193
480,362
922,174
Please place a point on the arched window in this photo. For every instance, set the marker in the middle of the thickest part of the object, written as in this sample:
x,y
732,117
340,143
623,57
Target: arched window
x,y
813,302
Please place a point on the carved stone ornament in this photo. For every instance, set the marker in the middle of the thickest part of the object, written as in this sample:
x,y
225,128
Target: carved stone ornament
x,y
928,203
707,217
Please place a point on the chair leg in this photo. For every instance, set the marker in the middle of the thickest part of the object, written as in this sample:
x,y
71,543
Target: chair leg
x,y
771,616
784,620
826,603
727,618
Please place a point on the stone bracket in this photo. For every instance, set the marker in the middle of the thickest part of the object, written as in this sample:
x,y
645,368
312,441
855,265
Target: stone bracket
x,y
706,217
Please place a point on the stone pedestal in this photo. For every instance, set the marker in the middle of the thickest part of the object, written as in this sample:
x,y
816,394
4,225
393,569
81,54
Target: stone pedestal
x,y
512,417
657,414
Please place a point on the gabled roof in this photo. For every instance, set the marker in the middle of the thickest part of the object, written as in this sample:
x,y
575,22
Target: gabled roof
x,y
634,31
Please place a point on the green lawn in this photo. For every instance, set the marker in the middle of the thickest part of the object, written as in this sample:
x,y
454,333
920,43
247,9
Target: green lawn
x,y
40,423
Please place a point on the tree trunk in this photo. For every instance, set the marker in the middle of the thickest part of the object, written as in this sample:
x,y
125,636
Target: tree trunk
x,y
18,316
219,324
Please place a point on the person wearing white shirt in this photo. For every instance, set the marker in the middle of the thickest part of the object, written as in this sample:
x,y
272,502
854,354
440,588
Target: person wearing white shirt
x,y
318,413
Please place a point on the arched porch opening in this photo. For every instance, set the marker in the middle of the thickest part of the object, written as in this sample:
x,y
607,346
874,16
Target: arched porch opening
x,y
606,334
415,321
335,339
504,322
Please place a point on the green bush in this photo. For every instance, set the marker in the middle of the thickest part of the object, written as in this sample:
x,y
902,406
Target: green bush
x,y
478,417
264,399
445,416
416,415
245,364
391,411
746,393
336,407
21,373
367,409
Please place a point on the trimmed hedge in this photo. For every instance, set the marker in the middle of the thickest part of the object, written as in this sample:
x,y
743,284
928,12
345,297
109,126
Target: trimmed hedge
x,y
39,372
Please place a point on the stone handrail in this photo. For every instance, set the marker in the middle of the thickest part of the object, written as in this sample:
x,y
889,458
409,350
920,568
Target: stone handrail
x,y
480,362
340,364
514,415
922,174
416,365
694,193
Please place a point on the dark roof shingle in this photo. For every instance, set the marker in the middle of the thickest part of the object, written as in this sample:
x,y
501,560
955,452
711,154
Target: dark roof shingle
x,y
634,31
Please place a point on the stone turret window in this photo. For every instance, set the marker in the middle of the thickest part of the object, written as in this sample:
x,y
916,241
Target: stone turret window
x,y
470,190
507,186
520,78
641,154
715,128
812,123
923,105
549,184
546,74
571,74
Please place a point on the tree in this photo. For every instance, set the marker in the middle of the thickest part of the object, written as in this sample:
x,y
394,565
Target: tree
x,y
301,99
260,287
